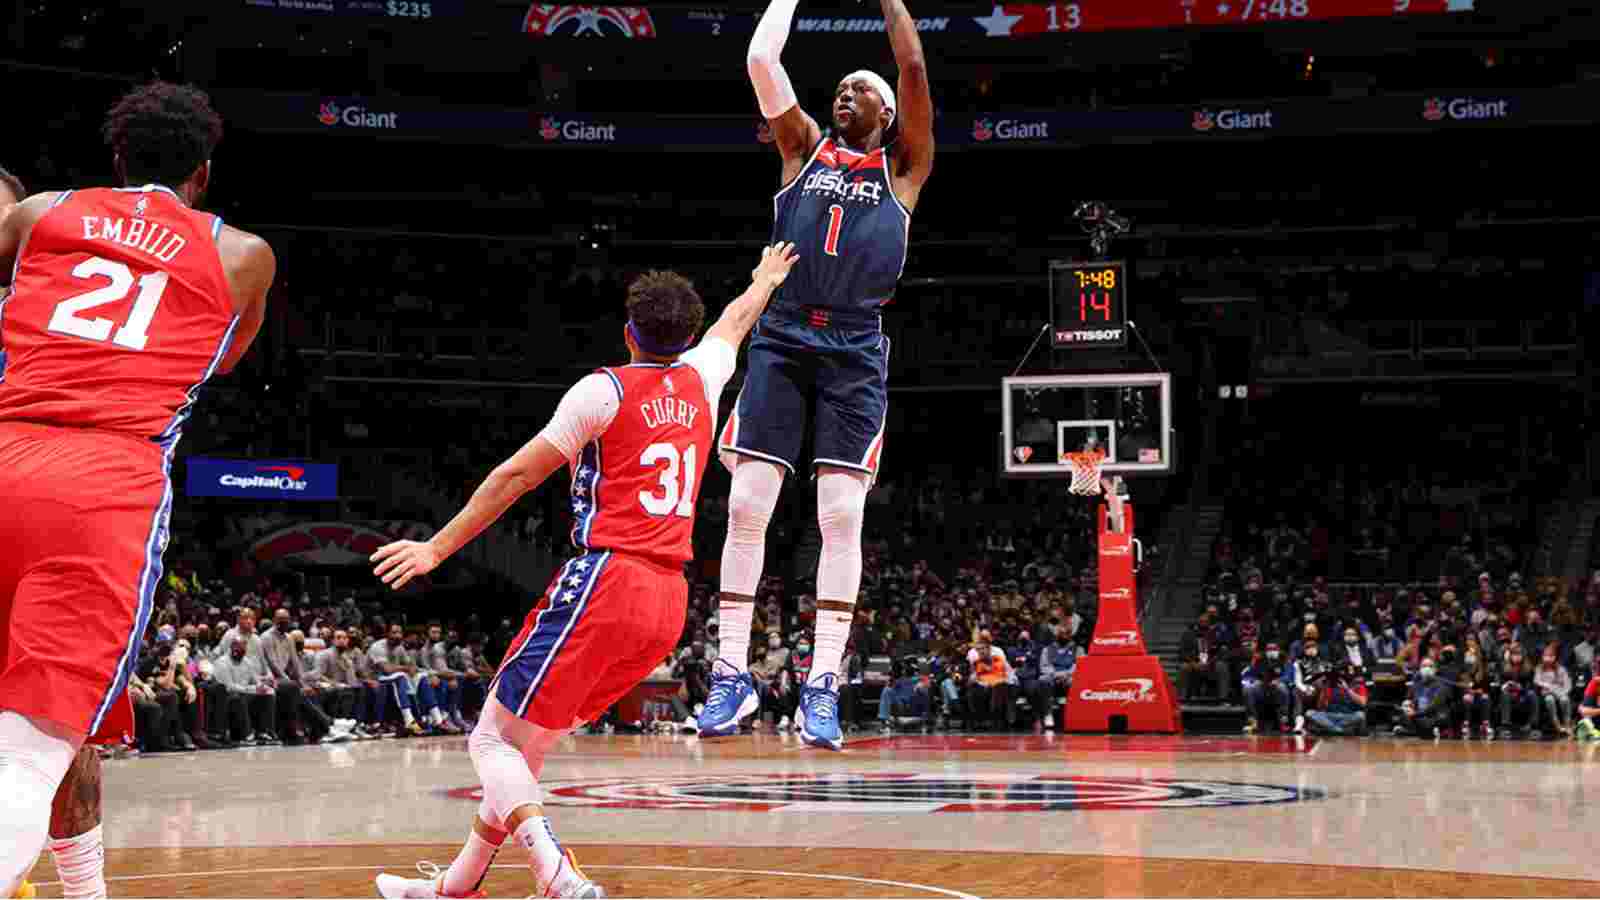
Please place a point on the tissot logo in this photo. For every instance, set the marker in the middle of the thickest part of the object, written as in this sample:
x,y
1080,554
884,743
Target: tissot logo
x,y
908,793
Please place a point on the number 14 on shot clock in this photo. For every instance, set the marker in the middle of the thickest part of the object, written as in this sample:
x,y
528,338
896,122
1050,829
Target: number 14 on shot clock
x,y
1088,304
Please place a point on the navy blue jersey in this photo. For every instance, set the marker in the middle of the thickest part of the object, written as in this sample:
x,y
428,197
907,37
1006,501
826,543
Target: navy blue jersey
x,y
848,227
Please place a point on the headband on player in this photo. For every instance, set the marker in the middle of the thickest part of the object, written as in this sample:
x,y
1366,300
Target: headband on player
x,y
655,349
878,84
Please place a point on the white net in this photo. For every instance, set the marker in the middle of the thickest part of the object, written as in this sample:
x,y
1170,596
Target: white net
x,y
1086,472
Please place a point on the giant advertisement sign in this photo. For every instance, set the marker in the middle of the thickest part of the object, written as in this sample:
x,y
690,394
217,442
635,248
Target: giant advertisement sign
x,y
978,20
421,120
256,479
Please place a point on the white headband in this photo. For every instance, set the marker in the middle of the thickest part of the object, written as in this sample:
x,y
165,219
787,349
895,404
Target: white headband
x,y
879,85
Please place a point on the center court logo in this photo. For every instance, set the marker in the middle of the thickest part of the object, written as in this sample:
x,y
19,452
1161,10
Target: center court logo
x,y
895,792
331,114
1231,120
984,130
553,129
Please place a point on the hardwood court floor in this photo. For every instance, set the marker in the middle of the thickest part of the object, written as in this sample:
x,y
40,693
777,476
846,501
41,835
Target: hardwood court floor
x,y
904,816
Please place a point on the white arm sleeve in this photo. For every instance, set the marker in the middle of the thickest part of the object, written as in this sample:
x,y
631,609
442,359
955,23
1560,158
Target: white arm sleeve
x,y
773,89
587,410
715,359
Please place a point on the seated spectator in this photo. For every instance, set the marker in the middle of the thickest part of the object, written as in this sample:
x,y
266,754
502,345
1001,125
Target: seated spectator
x,y
1057,661
1475,685
1342,707
852,676
1426,711
447,679
1309,671
393,670
764,670
300,718
1355,652
154,714
372,699
1555,691
989,690
158,670
693,669
1581,659
1201,657
1519,698
252,699
1266,690
906,697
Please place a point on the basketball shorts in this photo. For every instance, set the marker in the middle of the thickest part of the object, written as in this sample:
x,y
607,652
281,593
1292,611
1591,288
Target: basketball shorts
x,y
80,559
829,384
604,624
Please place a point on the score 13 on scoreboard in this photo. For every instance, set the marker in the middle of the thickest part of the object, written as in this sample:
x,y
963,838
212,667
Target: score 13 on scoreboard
x,y
1088,304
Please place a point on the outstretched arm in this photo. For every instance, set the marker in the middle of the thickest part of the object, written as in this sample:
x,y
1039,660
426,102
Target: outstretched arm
x,y
794,132
741,315
915,161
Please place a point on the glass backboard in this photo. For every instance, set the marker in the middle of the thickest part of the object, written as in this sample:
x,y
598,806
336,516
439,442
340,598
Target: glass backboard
x,y
1045,417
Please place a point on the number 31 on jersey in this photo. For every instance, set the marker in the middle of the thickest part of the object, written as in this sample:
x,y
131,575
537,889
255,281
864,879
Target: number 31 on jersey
x,y
675,498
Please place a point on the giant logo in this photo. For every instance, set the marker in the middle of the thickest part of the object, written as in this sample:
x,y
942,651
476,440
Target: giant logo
x,y
1231,120
553,129
600,21
897,792
984,130
331,114
1465,109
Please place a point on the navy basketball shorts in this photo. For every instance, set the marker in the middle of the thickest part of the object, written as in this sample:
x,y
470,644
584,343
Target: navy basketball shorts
x,y
828,383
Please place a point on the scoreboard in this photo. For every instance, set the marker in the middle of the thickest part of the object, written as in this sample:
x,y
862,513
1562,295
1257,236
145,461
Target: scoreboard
x,y
1088,304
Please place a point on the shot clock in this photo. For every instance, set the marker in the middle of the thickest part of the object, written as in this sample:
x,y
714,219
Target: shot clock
x,y
1088,304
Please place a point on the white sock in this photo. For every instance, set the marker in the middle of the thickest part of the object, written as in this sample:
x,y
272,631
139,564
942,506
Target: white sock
x,y
408,717
81,863
544,851
32,765
751,500
467,871
841,506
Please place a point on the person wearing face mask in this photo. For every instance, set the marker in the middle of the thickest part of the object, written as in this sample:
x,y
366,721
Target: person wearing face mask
x,y
1474,687
1519,697
1057,661
765,668
252,701
1266,690
1202,659
1355,652
1309,671
1426,711
1342,707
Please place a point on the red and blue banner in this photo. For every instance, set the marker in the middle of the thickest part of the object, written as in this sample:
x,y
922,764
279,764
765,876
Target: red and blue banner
x,y
256,479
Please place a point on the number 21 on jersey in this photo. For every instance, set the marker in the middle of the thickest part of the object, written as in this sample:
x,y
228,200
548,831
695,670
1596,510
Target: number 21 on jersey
x,y
676,497
134,333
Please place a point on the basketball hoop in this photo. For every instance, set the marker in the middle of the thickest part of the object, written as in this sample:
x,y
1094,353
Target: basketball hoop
x,y
1086,466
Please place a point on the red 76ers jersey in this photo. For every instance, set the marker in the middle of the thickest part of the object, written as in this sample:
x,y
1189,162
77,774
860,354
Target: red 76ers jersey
x,y
634,486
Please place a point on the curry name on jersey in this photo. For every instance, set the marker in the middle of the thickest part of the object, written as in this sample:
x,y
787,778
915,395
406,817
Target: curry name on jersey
x,y
847,226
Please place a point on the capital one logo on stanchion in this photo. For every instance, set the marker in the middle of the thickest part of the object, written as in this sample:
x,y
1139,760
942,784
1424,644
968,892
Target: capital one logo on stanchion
x,y
1117,639
1141,690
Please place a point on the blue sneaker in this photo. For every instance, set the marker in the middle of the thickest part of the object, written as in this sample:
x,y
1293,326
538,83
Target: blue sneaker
x,y
819,713
732,697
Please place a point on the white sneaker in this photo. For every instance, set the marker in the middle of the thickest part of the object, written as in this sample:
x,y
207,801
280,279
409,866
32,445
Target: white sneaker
x,y
570,882
1299,724
783,724
338,734
425,888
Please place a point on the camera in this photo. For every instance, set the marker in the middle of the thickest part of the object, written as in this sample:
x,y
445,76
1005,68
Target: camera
x,y
1101,223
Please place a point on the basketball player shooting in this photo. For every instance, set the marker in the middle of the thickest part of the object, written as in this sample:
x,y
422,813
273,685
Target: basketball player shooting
x,y
125,302
617,607
819,362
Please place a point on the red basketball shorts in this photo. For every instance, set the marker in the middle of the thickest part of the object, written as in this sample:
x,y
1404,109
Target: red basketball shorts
x,y
606,621
81,537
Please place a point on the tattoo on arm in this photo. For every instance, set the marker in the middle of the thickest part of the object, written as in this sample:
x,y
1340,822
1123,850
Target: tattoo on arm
x,y
76,808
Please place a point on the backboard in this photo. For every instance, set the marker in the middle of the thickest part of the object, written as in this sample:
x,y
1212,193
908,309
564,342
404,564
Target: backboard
x,y
1128,415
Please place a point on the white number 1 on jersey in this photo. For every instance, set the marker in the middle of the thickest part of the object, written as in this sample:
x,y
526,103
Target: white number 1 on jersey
x,y
672,500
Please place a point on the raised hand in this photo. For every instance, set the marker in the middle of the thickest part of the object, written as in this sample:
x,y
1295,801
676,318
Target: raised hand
x,y
776,261
401,561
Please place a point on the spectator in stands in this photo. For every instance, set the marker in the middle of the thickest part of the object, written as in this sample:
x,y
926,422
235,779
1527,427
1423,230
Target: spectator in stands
x,y
428,690
448,678
300,719
693,669
1534,634
1266,690
764,669
1426,710
1355,652
1341,708
158,671
1474,692
1057,662
252,699
1387,644
393,671
1581,659
1554,684
989,689
1201,656
373,699
1519,697
1309,671
153,715
905,697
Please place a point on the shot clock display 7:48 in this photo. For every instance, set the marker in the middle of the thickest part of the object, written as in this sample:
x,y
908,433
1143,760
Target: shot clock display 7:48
x,y
1088,305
